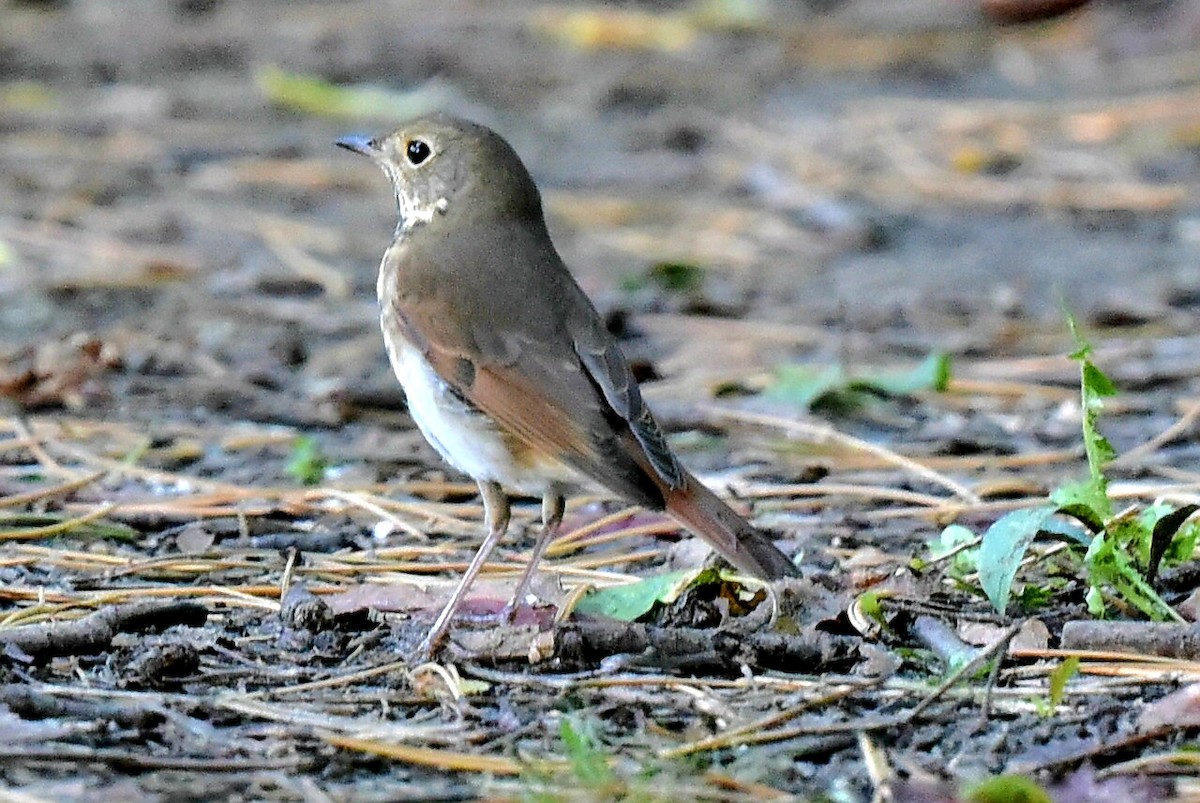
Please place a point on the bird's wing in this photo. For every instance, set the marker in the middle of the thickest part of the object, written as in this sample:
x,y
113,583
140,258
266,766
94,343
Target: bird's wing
x,y
601,357
539,361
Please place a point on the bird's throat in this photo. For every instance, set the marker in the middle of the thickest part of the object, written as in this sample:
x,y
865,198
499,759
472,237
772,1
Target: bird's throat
x,y
414,214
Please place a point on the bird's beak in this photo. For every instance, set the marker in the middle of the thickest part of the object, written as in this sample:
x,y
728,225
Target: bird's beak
x,y
359,144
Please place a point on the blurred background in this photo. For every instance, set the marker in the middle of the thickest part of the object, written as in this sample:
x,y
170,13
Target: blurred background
x,y
736,182
870,212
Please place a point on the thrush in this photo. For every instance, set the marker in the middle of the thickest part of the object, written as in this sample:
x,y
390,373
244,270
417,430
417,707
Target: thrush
x,y
509,371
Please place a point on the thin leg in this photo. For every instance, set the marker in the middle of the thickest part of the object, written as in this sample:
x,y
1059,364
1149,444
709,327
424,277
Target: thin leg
x,y
496,511
553,505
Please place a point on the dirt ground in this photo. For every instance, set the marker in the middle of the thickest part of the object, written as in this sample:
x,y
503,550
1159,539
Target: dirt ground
x,y
220,534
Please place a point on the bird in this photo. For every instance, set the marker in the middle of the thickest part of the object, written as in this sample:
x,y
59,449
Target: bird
x,y
508,369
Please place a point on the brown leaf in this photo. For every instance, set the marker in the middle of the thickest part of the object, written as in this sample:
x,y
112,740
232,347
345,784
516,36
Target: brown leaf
x,y
1033,635
194,539
58,374
487,597
1179,709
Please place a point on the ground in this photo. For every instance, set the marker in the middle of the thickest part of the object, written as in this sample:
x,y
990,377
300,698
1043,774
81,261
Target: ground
x,y
222,536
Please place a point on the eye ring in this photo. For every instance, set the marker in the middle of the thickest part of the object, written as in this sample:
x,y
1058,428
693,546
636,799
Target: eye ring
x,y
417,151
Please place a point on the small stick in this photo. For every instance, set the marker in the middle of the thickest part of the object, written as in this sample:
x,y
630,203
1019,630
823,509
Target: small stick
x,y
821,433
94,633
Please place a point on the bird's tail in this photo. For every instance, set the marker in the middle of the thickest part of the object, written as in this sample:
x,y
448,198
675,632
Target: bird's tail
x,y
749,549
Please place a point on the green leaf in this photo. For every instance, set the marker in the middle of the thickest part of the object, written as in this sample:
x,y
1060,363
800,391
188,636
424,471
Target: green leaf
x,y
809,387
314,95
1083,349
954,537
804,386
1153,517
932,374
1068,531
1086,500
1183,545
1094,388
588,763
1003,548
1008,789
629,602
677,277
1163,533
1059,677
1032,596
28,96
868,603
308,463
1096,382
1107,564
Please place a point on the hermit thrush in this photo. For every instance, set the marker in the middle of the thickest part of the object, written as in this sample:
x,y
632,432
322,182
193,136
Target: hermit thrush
x,y
508,369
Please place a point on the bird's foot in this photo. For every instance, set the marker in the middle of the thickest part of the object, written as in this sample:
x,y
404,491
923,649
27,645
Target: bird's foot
x,y
508,614
425,652
513,609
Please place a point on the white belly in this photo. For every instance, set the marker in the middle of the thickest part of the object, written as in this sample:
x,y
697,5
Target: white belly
x,y
463,436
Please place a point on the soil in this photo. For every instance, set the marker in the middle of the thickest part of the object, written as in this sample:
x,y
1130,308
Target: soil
x,y
221,535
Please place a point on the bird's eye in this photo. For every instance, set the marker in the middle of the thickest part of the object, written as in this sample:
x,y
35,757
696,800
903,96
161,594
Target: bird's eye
x,y
417,151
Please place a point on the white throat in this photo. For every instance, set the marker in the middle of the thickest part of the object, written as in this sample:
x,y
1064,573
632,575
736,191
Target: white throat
x,y
413,214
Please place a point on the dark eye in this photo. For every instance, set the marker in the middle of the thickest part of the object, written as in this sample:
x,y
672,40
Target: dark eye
x,y
417,150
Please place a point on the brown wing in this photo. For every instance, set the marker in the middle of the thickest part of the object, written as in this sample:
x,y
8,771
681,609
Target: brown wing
x,y
512,356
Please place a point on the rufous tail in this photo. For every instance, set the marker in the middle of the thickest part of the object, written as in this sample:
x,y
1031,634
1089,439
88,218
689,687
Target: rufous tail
x,y
749,549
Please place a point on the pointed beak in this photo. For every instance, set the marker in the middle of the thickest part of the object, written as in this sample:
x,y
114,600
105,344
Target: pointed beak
x,y
359,144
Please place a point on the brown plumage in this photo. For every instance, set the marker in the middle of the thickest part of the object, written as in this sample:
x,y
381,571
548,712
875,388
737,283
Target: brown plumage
x,y
508,368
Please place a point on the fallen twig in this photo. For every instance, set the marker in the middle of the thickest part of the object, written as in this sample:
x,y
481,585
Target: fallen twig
x,y
1166,639
823,432
695,648
95,632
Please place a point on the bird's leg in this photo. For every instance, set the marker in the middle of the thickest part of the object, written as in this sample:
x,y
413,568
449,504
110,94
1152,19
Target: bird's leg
x,y
496,511
553,505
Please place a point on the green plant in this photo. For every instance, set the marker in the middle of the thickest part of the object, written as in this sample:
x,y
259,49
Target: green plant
x,y
831,387
1059,677
308,463
1009,789
1122,551
588,763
